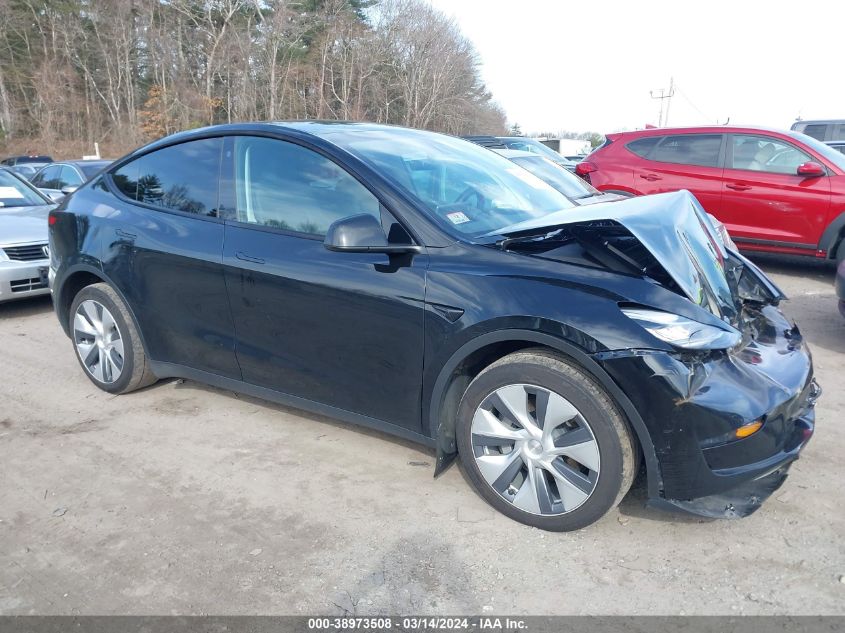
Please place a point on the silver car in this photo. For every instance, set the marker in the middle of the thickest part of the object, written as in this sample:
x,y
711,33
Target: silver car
x,y
24,255
57,180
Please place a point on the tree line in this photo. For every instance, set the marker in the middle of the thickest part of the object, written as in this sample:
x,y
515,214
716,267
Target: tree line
x,y
122,72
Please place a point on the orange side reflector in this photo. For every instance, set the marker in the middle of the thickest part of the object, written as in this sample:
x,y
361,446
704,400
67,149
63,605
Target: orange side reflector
x,y
749,429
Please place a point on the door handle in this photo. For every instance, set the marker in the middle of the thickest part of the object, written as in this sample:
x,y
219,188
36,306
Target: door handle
x,y
125,234
248,258
650,177
738,187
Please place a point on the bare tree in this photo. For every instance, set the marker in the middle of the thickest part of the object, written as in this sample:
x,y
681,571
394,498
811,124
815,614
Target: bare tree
x,y
77,71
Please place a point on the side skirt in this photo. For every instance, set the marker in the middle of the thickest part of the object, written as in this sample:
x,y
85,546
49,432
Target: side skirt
x,y
172,370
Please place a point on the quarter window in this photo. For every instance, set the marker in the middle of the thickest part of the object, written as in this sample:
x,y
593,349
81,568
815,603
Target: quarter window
x,y
180,177
762,153
689,149
289,187
642,146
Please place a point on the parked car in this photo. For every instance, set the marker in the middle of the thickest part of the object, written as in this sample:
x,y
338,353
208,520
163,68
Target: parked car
x,y
576,158
781,192
425,286
24,258
57,180
823,130
27,170
22,160
578,190
524,144
839,146
840,287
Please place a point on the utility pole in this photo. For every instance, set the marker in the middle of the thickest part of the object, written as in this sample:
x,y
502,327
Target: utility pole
x,y
666,95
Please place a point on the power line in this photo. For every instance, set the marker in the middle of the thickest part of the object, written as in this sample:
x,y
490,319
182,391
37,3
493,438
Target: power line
x,y
695,107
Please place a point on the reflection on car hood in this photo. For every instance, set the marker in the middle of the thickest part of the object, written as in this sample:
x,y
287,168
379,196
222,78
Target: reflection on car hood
x,y
675,229
22,225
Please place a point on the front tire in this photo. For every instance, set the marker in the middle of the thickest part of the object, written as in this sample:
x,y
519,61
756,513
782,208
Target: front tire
x,y
106,341
840,253
543,443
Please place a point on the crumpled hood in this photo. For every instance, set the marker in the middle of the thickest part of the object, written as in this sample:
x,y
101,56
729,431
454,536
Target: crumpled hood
x,y
675,229
22,225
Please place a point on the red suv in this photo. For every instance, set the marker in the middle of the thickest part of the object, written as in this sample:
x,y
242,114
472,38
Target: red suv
x,y
781,192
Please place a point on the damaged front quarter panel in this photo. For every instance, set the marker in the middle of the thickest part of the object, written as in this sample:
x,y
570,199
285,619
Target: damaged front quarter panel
x,y
692,401
693,404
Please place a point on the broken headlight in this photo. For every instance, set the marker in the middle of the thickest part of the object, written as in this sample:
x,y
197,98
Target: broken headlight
x,y
683,332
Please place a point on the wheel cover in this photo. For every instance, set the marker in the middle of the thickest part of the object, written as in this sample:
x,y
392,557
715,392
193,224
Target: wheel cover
x,y
98,341
535,449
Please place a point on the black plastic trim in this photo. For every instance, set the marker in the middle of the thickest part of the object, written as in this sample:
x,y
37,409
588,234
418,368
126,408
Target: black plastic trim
x,y
832,234
173,370
755,240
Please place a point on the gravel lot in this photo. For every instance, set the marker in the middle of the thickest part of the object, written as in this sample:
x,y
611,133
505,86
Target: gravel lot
x,y
187,499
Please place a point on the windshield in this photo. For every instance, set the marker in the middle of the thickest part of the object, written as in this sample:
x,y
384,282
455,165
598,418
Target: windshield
x,y
14,193
535,147
825,150
468,189
568,184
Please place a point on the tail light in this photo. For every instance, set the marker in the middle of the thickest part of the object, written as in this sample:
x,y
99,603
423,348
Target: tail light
x,y
585,168
52,218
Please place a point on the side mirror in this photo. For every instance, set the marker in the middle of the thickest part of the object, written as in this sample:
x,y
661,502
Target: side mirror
x,y
69,189
362,234
810,169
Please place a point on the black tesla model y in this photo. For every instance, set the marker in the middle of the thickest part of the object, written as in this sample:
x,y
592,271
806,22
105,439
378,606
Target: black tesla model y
x,y
428,287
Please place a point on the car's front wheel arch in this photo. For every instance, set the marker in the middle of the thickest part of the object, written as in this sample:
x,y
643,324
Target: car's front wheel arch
x,y
489,348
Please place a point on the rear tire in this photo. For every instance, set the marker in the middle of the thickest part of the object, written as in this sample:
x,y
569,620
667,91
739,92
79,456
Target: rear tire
x,y
106,341
543,442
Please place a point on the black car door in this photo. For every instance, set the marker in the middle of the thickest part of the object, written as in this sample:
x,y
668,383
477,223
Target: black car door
x,y
341,329
163,250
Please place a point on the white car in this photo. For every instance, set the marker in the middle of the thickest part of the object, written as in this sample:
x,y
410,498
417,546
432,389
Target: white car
x,y
578,190
24,255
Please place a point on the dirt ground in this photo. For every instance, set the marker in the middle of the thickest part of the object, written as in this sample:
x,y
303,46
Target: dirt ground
x,y
191,500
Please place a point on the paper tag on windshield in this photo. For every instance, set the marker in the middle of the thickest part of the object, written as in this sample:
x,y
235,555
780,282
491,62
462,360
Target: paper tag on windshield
x,y
10,192
458,217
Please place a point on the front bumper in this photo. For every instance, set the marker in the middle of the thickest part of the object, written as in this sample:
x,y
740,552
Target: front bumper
x,y
693,404
19,280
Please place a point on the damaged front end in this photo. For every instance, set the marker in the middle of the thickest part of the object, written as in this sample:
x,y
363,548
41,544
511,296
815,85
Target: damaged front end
x,y
731,404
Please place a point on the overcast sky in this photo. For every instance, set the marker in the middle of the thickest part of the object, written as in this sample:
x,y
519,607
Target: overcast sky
x,y
562,65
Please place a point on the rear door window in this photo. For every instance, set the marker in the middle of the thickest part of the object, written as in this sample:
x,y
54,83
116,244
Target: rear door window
x,y
181,177
816,130
48,177
689,149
